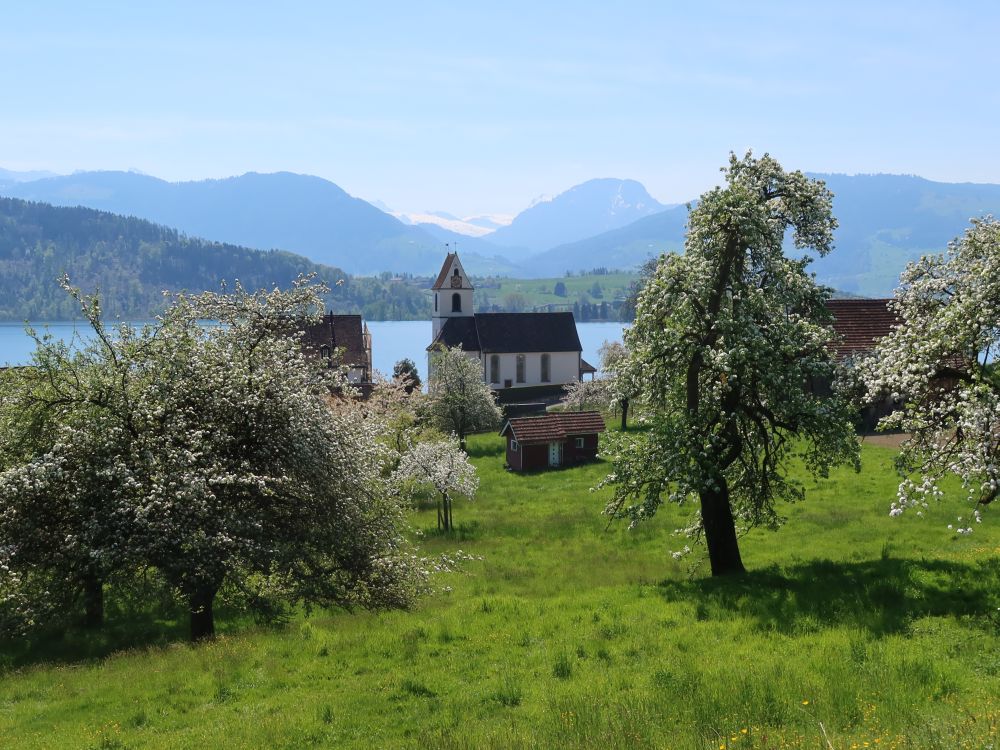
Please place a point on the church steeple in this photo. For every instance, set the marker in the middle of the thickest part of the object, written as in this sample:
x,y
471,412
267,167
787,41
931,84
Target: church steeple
x,y
452,293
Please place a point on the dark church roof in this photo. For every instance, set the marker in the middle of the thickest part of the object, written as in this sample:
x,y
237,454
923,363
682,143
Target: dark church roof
x,y
859,323
458,332
512,332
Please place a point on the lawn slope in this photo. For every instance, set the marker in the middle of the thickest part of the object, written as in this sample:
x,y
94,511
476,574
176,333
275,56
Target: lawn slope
x,y
850,628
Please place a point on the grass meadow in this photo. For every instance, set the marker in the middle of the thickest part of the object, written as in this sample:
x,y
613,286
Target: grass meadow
x,y
850,630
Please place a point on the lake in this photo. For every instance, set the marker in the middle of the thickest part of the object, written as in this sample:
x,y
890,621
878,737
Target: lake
x,y
392,340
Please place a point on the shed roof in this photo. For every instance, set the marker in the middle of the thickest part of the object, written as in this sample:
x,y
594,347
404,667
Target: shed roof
x,y
585,366
553,427
859,323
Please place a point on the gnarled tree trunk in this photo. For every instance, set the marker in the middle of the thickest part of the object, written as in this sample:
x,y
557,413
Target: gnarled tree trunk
x,y
202,618
93,601
720,531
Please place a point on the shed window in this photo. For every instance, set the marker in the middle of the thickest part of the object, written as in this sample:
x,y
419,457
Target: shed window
x,y
546,368
456,302
513,445
579,442
495,368
520,368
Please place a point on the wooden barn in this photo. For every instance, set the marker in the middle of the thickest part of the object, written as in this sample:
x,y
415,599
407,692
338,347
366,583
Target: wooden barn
x,y
553,440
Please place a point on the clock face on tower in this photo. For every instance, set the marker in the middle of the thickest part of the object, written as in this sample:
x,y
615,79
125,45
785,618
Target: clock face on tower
x,y
456,282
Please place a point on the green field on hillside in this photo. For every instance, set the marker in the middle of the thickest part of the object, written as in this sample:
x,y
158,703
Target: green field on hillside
x,y
851,630
533,293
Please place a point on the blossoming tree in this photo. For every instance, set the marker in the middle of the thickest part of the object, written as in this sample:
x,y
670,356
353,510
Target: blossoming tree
x,y
728,338
458,400
224,465
939,361
444,468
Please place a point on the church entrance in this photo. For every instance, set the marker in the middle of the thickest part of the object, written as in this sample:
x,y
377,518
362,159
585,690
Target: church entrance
x,y
555,454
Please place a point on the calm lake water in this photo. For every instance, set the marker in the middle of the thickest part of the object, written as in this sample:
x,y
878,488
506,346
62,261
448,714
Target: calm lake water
x,y
392,340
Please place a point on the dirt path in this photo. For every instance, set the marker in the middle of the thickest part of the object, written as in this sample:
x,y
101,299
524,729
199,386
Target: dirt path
x,y
888,440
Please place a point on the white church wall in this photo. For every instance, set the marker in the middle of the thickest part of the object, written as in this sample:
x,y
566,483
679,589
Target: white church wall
x,y
564,367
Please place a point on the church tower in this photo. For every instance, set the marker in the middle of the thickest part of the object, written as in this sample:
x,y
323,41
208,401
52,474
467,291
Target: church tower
x,y
452,294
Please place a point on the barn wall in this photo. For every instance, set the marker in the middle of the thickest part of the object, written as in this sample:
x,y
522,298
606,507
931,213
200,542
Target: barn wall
x,y
534,456
514,459
574,455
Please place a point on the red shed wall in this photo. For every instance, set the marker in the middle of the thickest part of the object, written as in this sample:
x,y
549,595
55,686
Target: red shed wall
x,y
573,455
534,456
514,457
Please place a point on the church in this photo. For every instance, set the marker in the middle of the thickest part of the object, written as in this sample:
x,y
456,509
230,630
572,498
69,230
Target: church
x,y
522,354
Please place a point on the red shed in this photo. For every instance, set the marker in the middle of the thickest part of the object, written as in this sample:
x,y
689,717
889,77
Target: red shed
x,y
553,440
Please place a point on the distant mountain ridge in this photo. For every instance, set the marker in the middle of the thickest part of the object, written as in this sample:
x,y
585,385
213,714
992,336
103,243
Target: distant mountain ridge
x,y
582,211
298,213
131,261
885,221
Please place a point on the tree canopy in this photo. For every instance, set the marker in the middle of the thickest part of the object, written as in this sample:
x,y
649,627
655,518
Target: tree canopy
x,y
458,400
939,362
730,357
210,456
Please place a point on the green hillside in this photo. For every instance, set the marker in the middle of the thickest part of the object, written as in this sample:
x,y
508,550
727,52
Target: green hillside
x,y
131,261
851,630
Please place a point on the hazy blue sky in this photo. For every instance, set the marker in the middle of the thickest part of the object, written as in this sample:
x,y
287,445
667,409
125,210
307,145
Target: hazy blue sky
x,y
451,107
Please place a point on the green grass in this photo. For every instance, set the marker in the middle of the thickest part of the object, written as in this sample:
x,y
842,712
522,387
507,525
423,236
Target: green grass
x,y
849,626
537,292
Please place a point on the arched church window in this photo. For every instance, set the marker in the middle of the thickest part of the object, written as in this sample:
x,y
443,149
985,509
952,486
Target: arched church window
x,y
494,368
546,368
520,368
456,302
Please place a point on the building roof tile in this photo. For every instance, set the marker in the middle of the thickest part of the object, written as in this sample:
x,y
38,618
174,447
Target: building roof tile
x,y
554,427
528,332
859,323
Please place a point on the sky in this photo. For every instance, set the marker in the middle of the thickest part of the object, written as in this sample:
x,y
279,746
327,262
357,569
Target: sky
x,y
476,108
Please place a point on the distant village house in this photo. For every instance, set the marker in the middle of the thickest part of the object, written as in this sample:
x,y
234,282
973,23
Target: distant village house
x,y
342,341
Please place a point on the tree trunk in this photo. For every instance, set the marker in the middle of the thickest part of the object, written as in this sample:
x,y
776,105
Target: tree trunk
x,y
446,504
202,618
720,531
93,601
624,414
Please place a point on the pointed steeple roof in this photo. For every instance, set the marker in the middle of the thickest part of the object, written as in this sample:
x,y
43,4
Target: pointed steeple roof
x,y
452,268
443,276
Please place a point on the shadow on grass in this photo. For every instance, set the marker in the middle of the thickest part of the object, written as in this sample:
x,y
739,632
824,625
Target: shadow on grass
x,y
122,631
482,449
881,596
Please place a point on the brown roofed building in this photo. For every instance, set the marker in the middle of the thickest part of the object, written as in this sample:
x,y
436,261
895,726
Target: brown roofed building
x,y
562,439
342,341
859,324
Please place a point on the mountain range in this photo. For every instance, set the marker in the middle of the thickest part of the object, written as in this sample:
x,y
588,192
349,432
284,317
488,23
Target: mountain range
x,y
885,220
130,262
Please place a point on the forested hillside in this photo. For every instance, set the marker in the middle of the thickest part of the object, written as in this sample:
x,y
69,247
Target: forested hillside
x,y
132,261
